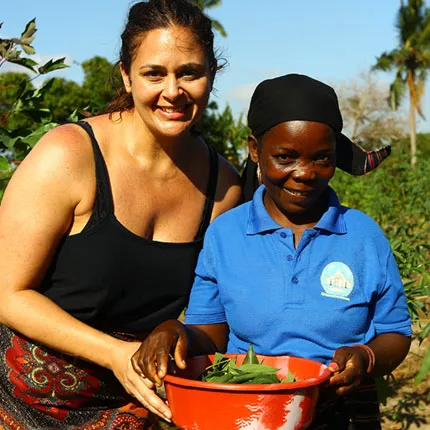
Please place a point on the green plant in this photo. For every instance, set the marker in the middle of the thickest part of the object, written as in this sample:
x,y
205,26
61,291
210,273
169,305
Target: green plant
x,y
411,60
251,371
396,196
425,367
16,143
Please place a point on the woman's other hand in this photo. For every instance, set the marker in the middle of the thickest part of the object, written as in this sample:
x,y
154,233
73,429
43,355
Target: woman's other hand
x,y
151,360
134,383
348,366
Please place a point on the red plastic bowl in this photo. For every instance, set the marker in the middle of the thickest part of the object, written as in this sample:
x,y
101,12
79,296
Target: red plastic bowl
x,y
200,405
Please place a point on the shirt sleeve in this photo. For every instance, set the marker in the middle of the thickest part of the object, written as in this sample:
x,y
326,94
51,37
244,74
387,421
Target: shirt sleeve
x,y
205,305
391,310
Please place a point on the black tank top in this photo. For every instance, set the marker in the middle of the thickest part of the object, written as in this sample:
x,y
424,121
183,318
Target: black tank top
x,y
112,279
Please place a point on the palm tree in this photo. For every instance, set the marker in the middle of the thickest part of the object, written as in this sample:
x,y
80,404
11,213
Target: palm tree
x,y
411,60
208,4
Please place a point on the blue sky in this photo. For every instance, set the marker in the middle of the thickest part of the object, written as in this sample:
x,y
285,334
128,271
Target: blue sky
x,y
330,40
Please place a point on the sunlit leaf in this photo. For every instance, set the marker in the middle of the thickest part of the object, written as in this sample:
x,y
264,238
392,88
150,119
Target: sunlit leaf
x,y
425,367
4,164
290,378
29,30
25,62
34,137
52,65
425,333
28,49
46,86
4,48
250,357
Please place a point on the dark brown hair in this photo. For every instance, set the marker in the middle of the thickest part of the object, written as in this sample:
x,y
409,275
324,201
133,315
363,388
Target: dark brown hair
x,y
154,14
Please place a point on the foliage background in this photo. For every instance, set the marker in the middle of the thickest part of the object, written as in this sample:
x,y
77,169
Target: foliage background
x,y
395,195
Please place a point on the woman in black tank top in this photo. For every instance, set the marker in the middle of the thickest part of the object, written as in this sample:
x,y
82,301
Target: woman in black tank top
x,y
100,230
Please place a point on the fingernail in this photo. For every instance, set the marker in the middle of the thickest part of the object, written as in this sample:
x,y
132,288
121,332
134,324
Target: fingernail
x,y
333,367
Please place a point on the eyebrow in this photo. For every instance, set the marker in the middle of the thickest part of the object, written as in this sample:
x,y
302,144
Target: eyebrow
x,y
152,66
182,66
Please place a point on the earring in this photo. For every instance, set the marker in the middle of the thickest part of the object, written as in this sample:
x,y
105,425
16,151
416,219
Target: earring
x,y
259,179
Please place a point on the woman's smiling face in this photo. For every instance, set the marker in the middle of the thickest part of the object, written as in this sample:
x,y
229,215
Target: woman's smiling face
x,y
297,159
169,80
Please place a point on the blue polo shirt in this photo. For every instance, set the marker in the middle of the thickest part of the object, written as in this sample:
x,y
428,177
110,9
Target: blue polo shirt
x,y
340,286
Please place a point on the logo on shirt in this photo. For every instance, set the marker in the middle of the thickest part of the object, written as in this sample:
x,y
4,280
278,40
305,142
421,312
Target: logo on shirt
x,y
337,280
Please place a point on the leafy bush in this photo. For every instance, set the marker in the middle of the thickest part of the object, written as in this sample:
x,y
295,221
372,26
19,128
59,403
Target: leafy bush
x,y
21,99
397,197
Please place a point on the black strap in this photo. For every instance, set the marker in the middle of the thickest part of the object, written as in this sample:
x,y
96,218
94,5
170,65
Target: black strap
x,y
104,201
210,193
103,205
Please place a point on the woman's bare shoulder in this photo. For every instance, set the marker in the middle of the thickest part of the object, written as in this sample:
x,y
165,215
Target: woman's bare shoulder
x,y
66,145
61,162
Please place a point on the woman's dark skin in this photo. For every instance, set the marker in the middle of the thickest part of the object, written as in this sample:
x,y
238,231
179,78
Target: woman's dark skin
x,y
297,161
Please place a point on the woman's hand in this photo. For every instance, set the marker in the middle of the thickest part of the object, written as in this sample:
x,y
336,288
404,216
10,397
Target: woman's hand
x,y
348,366
151,360
135,384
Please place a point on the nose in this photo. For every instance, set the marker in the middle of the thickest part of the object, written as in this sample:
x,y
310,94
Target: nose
x,y
304,171
171,88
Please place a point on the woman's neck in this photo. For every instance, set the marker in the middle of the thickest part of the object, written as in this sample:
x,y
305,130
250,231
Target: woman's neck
x,y
156,153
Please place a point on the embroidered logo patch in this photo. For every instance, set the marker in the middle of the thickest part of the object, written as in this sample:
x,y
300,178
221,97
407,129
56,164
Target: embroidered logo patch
x,y
337,280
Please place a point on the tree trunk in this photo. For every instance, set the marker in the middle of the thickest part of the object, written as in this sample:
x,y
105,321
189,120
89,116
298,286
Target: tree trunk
x,y
412,128
412,109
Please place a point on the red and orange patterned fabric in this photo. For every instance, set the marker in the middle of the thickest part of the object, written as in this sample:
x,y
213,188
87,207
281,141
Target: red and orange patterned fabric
x,y
43,389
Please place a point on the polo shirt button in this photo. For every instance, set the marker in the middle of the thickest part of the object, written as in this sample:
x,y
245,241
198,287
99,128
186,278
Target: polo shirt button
x,y
283,235
295,280
289,257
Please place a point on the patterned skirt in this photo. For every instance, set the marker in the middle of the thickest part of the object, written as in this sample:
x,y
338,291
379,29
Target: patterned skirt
x,y
41,389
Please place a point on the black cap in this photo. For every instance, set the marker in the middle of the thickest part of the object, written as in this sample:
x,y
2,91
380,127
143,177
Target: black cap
x,y
298,97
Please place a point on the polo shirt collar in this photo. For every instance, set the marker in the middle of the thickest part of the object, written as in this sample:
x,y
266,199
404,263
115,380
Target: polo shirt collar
x,y
259,221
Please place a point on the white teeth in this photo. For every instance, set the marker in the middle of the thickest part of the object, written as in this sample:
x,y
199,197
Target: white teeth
x,y
297,193
172,110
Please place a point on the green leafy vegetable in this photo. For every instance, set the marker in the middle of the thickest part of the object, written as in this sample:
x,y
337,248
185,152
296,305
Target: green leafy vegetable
x,y
251,371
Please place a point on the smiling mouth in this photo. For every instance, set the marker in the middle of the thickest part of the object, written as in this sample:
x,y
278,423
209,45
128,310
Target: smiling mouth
x,y
181,109
298,193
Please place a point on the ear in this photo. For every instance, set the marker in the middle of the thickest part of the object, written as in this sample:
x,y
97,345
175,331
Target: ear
x,y
125,78
253,148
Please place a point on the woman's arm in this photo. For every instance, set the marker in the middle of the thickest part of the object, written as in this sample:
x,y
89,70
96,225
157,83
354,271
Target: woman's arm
x,y
390,350
177,340
45,195
350,364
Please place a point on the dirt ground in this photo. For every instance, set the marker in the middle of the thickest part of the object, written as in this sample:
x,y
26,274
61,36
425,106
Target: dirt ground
x,y
409,407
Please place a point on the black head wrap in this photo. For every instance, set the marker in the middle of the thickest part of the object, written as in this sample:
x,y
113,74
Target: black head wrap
x,y
298,97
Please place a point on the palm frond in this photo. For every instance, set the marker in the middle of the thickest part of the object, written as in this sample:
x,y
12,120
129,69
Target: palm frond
x,y
424,60
217,26
386,61
206,4
420,92
397,91
209,4
410,21
424,39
